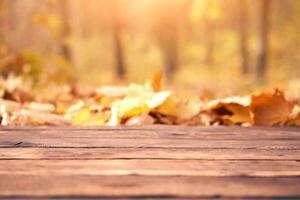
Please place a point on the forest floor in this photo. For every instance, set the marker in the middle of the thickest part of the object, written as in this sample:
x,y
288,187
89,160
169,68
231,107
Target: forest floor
x,y
142,104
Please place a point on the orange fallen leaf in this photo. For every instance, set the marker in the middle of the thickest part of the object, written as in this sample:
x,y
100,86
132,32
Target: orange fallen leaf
x,y
270,109
156,82
232,110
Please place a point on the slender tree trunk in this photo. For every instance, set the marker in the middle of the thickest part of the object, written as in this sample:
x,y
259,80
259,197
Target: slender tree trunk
x,y
298,50
117,41
166,31
119,56
169,46
244,36
1,23
209,42
13,26
262,59
66,30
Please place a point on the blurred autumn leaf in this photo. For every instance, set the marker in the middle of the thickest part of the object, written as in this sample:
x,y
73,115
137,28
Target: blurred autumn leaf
x,y
270,109
140,104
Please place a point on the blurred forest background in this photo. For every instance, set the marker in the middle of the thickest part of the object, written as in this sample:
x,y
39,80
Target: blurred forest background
x,y
238,44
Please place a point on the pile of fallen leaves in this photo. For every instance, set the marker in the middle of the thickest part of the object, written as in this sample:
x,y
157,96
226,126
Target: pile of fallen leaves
x,y
139,105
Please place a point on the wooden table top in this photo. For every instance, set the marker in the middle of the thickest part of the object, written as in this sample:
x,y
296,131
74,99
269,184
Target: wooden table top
x,y
169,162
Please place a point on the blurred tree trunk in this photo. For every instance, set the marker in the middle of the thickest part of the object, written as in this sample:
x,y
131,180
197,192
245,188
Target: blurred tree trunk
x,y
20,30
171,54
1,23
12,25
243,29
66,29
117,40
169,47
262,60
167,33
209,32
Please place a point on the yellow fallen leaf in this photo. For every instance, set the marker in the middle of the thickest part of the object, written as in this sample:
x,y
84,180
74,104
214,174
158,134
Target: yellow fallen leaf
x,y
135,105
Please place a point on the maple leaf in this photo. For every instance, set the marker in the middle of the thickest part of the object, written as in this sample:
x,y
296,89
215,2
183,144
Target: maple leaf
x,y
270,109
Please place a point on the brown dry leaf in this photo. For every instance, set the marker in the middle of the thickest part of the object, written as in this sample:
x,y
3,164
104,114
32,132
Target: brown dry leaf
x,y
164,119
233,110
137,104
13,88
111,91
201,119
40,107
25,118
294,118
142,119
182,109
10,105
270,109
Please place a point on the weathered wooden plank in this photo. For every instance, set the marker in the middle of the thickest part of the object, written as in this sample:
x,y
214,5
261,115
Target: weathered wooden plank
x,y
154,134
150,161
199,133
147,153
157,127
149,142
151,167
150,186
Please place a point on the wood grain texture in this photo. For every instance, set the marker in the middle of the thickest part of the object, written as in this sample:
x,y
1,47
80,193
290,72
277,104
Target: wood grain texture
x,y
28,153
148,186
157,128
149,162
204,133
74,142
151,167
